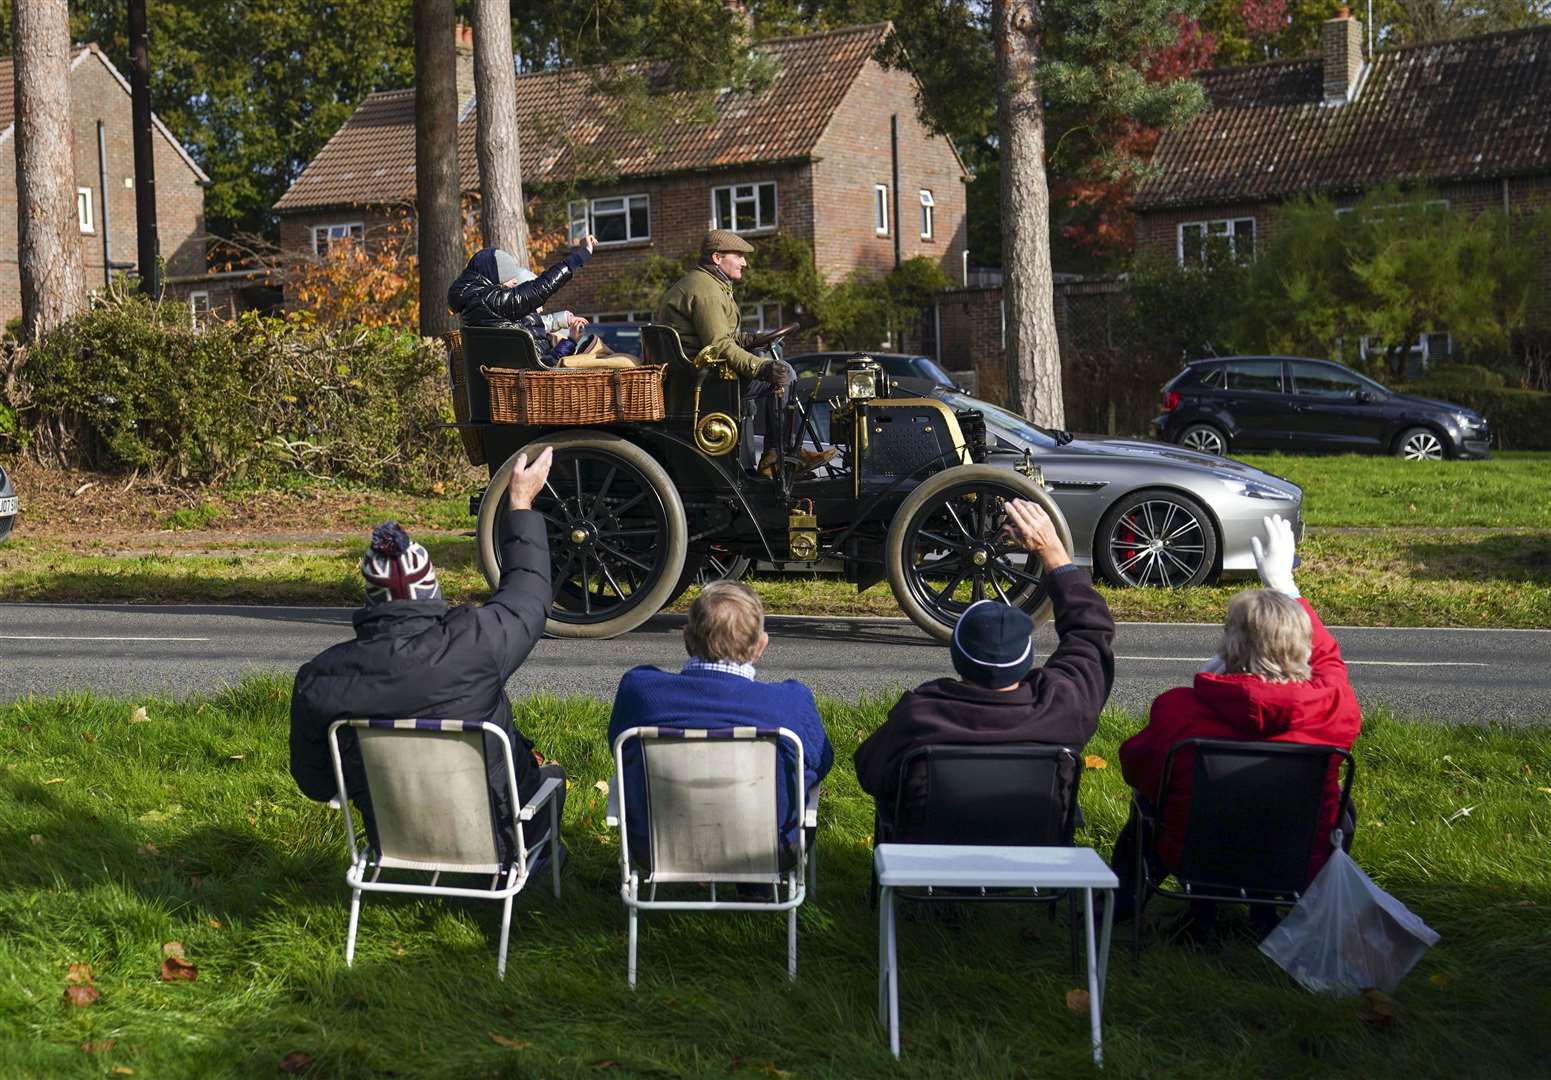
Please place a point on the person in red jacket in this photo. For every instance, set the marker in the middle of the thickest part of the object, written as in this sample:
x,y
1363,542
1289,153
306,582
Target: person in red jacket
x,y
1278,677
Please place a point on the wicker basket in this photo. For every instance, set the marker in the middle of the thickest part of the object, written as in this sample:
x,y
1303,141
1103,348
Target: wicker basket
x,y
473,438
621,396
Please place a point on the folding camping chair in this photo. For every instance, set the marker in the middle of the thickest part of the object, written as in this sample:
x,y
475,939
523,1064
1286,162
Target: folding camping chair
x,y
431,803
712,820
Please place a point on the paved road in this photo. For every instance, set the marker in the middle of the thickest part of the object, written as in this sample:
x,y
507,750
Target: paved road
x,y
1448,675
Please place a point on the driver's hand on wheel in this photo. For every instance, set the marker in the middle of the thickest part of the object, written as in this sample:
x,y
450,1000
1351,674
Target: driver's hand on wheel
x,y
1033,531
777,374
528,480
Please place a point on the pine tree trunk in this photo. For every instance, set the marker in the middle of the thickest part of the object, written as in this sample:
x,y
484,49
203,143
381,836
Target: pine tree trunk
x,y
1033,354
501,220
438,215
53,285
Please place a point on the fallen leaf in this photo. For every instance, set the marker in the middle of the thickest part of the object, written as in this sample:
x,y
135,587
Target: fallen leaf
x,y
79,973
215,924
102,1046
1440,980
139,716
295,1062
601,787
88,736
1077,1001
174,950
81,996
1377,1010
236,757
769,1069
1526,770
175,970
37,839
151,817
1547,790
1093,761
55,780
510,1044
610,1063
146,849
123,1070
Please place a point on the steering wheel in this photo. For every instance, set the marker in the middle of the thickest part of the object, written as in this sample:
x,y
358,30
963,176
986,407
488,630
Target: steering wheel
x,y
770,338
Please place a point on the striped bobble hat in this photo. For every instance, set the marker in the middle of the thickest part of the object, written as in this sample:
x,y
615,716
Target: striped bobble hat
x,y
395,568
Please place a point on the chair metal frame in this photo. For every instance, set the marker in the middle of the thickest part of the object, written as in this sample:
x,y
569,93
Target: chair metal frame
x,y
632,884
364,860
1151,825
885,832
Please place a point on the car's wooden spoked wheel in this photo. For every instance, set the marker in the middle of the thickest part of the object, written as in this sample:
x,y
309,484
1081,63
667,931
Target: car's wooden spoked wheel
x,y
616,531
949,547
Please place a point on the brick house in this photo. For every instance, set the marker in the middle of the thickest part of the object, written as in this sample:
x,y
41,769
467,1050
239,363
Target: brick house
x,y
811,156
1469,119
104,183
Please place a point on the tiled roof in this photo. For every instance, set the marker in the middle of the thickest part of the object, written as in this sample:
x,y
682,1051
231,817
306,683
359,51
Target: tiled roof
x,y
1471,108
566,131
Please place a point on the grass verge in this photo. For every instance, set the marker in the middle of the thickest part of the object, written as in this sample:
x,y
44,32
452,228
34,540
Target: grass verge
x,y
121,836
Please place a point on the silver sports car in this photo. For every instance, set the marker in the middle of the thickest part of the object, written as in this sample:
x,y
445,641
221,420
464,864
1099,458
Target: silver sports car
x,y
8,505
1143,513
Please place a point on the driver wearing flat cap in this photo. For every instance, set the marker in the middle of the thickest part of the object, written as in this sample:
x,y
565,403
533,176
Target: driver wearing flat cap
x,y
1000,695
700,306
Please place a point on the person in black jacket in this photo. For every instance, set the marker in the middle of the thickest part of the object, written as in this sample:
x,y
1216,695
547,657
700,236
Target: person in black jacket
x,y
412,657
495,290
1001,697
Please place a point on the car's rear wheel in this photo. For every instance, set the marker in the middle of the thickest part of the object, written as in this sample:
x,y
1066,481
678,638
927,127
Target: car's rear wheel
x,y
1420,444
707,564
616,528
1207,438
946,548
1157,538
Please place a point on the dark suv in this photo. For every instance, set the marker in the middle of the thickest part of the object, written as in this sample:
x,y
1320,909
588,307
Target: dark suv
x,y
1290,403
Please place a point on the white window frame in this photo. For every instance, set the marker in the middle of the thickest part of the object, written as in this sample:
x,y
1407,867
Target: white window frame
x,y
880,209
583,216
928,205
353,230
746,194
1214,228
757,316
83,210
194,310
620,316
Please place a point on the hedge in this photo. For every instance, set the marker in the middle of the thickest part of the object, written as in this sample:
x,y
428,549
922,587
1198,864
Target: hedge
x,y
1520,419
131,384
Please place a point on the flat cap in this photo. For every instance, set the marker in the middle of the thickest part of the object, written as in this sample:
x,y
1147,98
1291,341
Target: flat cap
x,y
724,240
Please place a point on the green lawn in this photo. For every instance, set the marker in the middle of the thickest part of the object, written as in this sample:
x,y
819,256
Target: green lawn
x,y
120,837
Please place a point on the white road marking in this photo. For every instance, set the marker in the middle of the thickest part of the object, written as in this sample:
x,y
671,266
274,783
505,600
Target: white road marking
x,y
1350,663
61,637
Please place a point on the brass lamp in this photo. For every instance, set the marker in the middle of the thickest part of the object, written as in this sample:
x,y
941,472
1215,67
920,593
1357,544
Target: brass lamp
x,y
862,379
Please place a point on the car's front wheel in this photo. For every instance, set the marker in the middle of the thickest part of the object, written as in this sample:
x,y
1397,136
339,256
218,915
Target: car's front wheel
x,y
1207,438
1159,538
1420,444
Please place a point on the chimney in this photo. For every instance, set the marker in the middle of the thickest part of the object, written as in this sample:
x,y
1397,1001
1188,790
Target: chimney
x,y
1341,46
463,44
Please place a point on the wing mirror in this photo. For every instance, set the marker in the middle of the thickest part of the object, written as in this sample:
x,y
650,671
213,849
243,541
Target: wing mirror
x,y
1367,397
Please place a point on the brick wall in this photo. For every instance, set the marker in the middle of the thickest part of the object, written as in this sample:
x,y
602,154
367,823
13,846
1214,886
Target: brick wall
x,y
180,198
854,155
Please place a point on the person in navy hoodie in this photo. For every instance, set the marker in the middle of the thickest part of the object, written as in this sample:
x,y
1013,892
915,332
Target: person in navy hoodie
x,y
725,637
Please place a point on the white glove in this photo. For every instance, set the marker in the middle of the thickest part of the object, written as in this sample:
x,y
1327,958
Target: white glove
x,y
556,322
1274,558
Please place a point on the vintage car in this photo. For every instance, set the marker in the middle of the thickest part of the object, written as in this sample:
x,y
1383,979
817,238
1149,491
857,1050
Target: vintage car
x,y
654,478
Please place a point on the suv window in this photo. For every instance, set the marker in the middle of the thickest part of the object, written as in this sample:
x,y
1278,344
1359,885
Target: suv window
x,y
1263,375
1325,380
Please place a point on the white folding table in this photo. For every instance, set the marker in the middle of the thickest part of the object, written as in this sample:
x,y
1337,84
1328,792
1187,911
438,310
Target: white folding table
x,y
953,866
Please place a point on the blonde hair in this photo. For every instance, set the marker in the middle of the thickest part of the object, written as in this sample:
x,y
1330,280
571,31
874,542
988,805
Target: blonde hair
x,y
725,623
1267,634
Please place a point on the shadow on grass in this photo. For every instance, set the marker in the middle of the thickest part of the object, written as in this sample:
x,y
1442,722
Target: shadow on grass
x,y
1512,557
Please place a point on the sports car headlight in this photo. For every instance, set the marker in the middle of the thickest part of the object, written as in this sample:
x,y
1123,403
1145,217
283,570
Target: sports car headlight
x,y
861,380
1253,489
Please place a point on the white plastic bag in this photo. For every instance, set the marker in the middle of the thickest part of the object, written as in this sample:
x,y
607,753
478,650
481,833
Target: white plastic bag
x,y
1346,934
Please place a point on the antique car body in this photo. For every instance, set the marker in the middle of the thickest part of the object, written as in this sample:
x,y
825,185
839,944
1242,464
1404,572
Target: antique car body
x,y
9,504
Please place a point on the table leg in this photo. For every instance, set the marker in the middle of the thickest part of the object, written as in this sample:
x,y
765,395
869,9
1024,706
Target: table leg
x,y
1094,1002
1104,942
883,960
888,906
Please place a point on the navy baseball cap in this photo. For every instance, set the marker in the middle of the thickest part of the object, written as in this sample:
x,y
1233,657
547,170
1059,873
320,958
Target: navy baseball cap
x,y
993,644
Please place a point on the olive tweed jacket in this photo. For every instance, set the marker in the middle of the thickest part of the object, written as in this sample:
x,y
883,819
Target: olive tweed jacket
x,y
701,308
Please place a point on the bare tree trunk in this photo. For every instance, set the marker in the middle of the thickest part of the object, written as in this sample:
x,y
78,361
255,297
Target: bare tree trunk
x,y
438,224
1033,354
53,285
501,220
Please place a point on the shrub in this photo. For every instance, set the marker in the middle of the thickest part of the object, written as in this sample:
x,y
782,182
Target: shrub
x,y
1462,375
131,385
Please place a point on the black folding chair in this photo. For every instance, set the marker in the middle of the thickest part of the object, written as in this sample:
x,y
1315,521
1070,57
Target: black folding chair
x,y
1251,824
1003,795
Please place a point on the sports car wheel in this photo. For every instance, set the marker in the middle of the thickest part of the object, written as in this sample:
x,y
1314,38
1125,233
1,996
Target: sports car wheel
x,y
1162,538
947,547
1419,444
616,529
1205,438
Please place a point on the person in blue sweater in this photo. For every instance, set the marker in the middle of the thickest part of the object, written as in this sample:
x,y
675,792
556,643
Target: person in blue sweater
x,y
725,637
